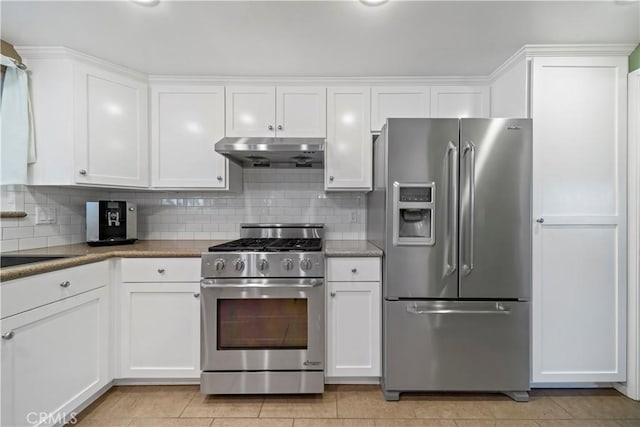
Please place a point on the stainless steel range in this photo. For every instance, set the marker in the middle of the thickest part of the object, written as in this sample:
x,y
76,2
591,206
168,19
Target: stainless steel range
x,y
262,311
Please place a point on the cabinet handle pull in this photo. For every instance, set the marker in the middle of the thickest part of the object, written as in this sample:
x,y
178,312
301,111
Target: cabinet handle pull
x,y
279,127
270,127
333,294
196,295
540,220
83,172
219,178
8,335
354,270
65,284
331,178
161,270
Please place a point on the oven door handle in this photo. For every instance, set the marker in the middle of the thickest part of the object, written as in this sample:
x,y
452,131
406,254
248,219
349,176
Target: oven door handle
x,y
218,284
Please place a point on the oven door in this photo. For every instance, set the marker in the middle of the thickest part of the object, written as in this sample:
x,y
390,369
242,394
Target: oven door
x,y
262,324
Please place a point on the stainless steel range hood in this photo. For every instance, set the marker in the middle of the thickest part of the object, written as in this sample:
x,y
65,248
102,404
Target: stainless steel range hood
x,y
273,152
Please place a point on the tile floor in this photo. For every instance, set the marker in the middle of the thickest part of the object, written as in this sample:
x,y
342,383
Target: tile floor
x,y
357,406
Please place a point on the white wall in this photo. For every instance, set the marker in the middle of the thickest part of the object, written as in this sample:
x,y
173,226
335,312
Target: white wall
x,y
269,195
509,92
632,387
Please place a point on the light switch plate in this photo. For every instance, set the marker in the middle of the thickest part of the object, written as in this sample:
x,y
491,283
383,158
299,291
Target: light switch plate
x,y
46,215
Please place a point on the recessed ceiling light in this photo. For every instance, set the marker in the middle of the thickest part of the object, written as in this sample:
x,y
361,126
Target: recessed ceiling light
x,y
147,2
373,2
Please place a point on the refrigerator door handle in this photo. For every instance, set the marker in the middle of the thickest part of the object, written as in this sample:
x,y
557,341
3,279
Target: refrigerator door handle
x,y
451,217
470,148
415,309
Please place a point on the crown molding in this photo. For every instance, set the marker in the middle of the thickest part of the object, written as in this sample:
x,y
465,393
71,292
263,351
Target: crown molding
x,y
614,49
322,81
525,52
529,51
60,52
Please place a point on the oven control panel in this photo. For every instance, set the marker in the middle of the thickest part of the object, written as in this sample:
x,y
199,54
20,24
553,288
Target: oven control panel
x,y
262,264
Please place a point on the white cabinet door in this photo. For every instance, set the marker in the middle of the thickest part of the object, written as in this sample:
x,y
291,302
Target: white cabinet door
x,y
349,145
251,111
579,191
301,111
57,357
398,101
353,329
160,335
460,101
111,138
186,122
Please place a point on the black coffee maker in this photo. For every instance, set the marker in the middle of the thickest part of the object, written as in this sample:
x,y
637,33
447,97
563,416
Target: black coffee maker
x,y
111,222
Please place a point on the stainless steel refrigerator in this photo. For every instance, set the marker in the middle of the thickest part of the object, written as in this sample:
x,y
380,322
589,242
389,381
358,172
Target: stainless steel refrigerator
x,y
451,208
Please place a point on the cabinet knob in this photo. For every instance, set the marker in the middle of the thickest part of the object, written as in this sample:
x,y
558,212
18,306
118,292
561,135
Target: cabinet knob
x,y
333,294
331,178
219,178
196,295
270,127
8,335
83,172
161,270
65,284
354,270
540,220
279,127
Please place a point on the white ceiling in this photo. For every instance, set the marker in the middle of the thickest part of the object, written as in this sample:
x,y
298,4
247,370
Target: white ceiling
x,y
315,38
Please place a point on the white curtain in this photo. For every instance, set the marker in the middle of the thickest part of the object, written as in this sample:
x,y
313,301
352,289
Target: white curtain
x,y
17,142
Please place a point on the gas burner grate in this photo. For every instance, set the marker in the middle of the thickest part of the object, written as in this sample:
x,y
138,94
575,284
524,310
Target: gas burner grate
x,y
269,245
296,245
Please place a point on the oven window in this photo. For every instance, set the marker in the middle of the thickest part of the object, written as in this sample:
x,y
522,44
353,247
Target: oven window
x,y
265,323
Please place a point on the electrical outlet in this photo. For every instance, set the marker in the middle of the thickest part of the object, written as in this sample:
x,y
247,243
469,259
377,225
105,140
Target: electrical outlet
x,y
353,217
46,215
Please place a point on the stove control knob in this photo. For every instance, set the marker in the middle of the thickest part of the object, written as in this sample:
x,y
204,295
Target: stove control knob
x,y
238,264
306,264
263,265
287,264
219,264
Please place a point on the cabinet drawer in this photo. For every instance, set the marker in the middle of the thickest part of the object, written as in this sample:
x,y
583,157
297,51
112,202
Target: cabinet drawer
x,y
34,291
353,269
160,269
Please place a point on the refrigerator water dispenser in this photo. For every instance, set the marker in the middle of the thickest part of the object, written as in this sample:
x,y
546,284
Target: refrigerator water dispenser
x,y
413,214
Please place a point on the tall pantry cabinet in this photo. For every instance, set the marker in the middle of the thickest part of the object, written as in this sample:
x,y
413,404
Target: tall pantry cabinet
x,y
578,106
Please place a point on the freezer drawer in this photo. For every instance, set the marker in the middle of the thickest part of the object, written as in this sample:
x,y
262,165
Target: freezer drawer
x,y
456,346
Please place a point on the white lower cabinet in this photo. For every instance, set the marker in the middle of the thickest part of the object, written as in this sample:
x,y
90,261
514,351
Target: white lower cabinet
x,y
353,319
160,330
54,358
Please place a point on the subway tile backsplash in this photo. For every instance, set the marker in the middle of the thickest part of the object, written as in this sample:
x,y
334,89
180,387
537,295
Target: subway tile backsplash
x,y
68,204
269,196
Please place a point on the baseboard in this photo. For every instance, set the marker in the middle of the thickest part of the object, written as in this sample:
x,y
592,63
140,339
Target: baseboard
x,y
573,385
95,396
352,380
156,381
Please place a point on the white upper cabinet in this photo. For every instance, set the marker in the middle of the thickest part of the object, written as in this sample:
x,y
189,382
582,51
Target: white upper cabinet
x,y
111,146
400,101
267,111
90,121
579,202
251,111
186,122
301,111
348,151
460,101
